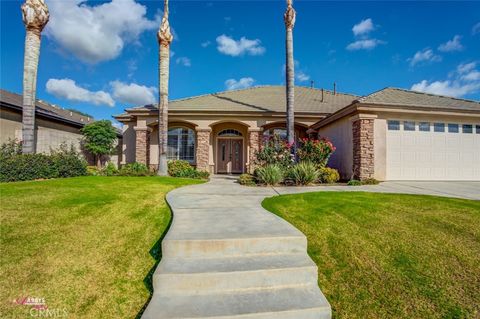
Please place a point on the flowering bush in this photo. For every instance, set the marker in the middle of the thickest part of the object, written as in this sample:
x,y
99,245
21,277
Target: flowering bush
x,y
315,151
275,151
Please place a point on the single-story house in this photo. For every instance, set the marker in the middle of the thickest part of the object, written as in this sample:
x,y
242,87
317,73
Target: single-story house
x,y
392,134
54,125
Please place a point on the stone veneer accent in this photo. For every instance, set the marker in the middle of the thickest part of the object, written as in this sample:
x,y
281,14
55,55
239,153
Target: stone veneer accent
x,y
142,145
363,148
254,142
202,149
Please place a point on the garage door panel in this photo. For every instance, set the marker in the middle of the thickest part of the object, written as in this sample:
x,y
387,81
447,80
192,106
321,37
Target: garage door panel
x,y
419,155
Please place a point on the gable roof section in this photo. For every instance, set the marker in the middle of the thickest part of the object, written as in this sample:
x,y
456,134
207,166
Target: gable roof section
x,y
45,109
400,97
260,99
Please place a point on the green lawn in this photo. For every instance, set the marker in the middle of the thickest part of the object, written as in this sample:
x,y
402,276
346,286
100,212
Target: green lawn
x,y
391,256
86,244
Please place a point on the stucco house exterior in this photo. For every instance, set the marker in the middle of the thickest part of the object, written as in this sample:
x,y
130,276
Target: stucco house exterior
x,y
392,134
54,125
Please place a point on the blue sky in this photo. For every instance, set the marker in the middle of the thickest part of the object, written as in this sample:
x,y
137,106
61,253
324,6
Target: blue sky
x,y
102,56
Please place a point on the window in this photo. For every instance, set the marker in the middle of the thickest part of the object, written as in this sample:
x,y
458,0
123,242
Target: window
x,y
393,125
424,126
439,127
477,128
408,126
280,132
181,144
452,128
229,133
467,128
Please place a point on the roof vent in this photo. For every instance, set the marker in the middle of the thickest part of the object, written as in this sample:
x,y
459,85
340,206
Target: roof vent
x,y
71,113
81,119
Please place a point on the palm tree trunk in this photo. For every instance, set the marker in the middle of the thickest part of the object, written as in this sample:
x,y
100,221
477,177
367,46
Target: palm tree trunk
x,y
290,77
32,53
289,19
163,110
35,17
164,39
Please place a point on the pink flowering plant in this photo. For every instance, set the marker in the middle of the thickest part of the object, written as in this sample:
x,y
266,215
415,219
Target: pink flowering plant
x,y
275,151
316,151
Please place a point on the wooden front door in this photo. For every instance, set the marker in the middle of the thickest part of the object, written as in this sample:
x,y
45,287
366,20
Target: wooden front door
x,y
230,155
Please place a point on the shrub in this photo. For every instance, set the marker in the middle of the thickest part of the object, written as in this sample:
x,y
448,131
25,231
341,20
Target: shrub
x,y
67,162
275,152
315,151
271,174
354,182
134,169
180,168
247,180
14,166
110,170
370,181
93,171
304,173
328,175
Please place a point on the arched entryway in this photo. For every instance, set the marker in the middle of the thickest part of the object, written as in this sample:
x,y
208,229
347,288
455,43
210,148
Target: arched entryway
x,y
230,149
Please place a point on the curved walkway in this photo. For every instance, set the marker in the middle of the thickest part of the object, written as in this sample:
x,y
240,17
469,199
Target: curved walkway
x,y
226,257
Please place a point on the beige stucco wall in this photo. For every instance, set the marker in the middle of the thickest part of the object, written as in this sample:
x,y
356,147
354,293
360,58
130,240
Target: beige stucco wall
x,y
49,135
340,133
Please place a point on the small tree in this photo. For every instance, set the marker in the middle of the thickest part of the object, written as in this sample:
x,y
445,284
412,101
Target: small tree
x,y
99,139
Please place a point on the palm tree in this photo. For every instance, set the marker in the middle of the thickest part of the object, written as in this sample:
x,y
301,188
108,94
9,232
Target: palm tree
x,y
165,37
35,17
289,19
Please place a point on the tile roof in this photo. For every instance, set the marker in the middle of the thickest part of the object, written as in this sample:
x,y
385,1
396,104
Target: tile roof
x,y
262,99
46,109
401,97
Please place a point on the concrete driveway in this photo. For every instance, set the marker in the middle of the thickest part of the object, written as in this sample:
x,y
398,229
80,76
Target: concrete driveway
x,y
466,190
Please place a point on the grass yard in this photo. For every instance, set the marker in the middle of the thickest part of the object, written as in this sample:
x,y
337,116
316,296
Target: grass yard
x,y
391,256
87,245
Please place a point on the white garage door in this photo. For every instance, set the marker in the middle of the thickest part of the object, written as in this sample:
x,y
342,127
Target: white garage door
x,y
432,151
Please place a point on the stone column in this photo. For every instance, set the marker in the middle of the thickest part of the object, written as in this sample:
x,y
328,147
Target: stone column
x,y
142,147
363,146
202,148
254,145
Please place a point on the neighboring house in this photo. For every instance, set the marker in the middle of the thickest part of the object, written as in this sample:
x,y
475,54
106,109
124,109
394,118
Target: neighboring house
x,y
392,134
54,125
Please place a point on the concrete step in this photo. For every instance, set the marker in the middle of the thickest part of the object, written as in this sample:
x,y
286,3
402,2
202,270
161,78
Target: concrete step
x,y
227,247
210,275
287,303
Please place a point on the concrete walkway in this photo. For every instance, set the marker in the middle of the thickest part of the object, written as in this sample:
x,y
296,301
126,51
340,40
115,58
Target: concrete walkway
x,y
465,190
226,257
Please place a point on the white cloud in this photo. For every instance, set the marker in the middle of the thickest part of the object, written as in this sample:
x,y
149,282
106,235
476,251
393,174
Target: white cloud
x,y
363,27
467,72
205,44
426,56
448,88
230,46
184,61
97,33
451,45
232,84
466,67
465,80
476,29
302,76
69,90
365,44
133,93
